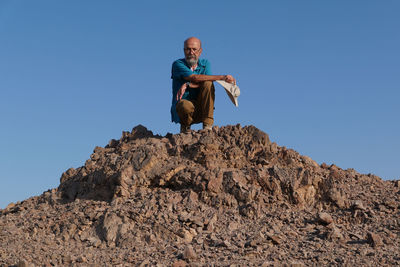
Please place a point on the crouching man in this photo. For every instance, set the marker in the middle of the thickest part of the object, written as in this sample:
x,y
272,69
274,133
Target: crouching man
x,y
193,92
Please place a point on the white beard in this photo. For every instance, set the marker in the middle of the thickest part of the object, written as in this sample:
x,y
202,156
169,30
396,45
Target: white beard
x,y
192,61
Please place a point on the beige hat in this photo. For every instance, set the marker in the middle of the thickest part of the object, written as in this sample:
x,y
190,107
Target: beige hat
x,y
232,90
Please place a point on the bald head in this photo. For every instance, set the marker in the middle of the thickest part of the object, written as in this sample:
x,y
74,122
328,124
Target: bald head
x,y
192,50
192,40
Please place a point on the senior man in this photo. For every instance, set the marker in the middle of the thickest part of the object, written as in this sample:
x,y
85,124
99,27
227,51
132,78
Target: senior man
x,y
193,92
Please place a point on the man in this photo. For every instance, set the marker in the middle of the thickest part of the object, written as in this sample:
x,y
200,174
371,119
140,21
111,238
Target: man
x,y
193,92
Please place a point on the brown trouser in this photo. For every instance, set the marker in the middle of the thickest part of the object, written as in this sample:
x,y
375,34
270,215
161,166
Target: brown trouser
x,y
200,109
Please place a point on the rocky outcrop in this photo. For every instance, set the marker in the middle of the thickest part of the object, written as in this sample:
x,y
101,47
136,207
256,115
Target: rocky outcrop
x,y
226,196
231,166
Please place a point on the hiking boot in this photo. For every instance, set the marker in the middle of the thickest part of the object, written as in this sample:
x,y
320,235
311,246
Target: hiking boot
x,y
185,129
207,126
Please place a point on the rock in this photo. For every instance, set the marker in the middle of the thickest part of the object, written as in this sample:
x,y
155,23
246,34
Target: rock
x,y
248,210
67,259
112,143
111,226
226,244
305,195
150,239
81,259
374,239
334,233
275,239
94,241
309,162
354,235
145,263
268,264
179,263
10,206
296,264
186,235
325,218
189,253
215,184
358,205
24,263
338,198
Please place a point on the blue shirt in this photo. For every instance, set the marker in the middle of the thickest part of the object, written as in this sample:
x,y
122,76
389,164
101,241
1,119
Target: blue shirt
x,y
181,70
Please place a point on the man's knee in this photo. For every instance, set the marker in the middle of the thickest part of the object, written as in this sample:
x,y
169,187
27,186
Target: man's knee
x,y
208,84
184,107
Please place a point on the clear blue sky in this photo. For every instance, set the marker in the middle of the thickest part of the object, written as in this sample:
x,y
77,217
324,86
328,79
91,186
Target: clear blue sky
x,y
321,77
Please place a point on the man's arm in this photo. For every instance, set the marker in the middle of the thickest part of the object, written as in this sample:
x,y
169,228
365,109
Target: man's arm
x,y
197,78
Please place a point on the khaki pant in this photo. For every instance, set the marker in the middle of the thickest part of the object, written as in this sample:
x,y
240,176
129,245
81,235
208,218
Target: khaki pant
x,y
200,109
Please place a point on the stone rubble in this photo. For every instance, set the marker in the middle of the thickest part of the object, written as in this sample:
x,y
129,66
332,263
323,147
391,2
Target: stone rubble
x,y
225,197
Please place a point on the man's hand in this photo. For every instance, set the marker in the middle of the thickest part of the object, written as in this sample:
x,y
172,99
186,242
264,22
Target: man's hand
x,y
229,79
181,92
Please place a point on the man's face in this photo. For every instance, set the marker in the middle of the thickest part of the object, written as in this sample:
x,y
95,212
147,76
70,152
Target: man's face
x,y
192,51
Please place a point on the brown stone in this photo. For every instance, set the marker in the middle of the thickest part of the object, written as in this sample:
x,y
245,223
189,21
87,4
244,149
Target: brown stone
x,y
214,185
81,259
24,263
358,205
334,233
305,195
275,239
111,226
296,264
374,239
324,218
189,253
186,235
179,263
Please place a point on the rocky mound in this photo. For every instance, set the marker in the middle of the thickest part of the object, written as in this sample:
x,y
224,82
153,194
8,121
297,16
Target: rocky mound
x,y
223,197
